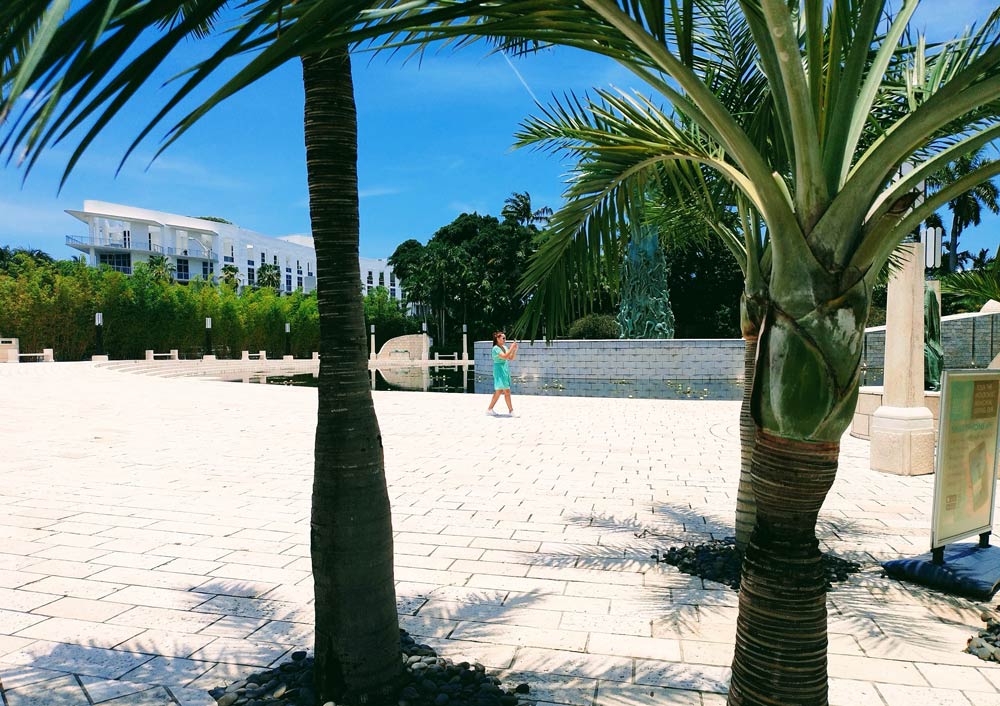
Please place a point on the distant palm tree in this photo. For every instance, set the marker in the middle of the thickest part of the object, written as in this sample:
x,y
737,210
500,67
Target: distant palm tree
x,y
269,277
161,268
230,275
518,209
6,257
966,208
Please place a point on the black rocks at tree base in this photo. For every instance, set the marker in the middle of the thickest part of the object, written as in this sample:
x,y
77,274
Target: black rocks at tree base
x,y
427,680
720,560
986,645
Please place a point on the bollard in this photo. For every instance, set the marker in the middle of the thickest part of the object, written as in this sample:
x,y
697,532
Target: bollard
x,y
149,355
47,356
245,355
173,354
315,355
263,355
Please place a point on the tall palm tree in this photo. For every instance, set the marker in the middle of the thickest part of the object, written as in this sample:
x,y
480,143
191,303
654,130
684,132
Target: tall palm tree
x,y
83,64
161,269
518,208
269,277
966,208
833,219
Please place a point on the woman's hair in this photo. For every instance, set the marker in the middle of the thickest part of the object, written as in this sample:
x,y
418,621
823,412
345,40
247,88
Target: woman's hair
x,y
496,335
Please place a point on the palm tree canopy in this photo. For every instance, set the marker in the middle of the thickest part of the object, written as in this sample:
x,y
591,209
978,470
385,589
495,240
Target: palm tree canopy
x,y
518,208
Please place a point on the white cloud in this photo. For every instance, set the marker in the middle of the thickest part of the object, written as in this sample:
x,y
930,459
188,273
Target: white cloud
x,y
378,191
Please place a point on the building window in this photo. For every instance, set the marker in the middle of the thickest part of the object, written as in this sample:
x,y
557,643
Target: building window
x,y
228,258
275,260
381,279
183,273
392,279
119,262
149,241
126,239
288,283
263,261
300,280
309,269
251,280
371,279
392,292
207,270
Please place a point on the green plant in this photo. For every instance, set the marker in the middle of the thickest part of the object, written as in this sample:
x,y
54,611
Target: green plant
x,y
594,326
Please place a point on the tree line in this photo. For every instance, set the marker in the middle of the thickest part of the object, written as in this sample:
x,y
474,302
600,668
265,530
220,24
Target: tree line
x,y
50,303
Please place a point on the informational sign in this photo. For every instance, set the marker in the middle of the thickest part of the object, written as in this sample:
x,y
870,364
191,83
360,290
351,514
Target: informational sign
x,y
966,469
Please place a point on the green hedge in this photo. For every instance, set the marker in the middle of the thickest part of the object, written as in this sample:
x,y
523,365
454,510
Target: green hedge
x,y
52,305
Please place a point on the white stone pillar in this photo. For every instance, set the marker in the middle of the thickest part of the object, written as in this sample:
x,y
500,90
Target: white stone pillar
x,y
902,430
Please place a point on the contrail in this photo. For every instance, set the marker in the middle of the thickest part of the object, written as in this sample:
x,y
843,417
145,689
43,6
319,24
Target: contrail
x,y
519,77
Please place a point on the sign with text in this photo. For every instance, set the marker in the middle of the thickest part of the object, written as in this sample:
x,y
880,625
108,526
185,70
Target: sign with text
x,y
966,468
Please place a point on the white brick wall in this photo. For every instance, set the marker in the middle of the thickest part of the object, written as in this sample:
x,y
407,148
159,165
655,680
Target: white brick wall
x,y
681,359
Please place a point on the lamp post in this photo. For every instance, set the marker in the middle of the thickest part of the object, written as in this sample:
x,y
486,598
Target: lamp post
x,y
208,336
99,332
372,354
288,340
465,342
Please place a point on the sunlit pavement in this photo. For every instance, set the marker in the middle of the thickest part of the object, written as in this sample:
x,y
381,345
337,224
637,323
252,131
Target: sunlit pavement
x,y
154,544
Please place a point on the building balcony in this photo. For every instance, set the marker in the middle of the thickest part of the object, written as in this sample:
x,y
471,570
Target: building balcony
x,y
85,243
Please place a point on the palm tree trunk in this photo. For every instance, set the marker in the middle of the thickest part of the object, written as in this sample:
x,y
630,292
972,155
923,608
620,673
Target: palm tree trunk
x,y
804,394
781,633
745,508
953,242
357,629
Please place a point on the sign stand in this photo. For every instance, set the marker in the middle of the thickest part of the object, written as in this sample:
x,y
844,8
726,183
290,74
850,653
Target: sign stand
x,y
964,490
937,553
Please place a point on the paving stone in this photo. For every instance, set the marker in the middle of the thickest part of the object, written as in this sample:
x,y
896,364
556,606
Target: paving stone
x,y
80,609
79,632
62,691
169,671
101,690
76,658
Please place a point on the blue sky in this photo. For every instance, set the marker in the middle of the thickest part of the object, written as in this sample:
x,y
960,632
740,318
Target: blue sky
x,y
434,141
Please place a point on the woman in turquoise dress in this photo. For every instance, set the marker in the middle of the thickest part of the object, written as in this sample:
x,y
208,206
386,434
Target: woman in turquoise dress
x,y
502,355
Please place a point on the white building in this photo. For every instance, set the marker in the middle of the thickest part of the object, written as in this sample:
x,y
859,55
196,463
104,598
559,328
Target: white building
x,y
120,236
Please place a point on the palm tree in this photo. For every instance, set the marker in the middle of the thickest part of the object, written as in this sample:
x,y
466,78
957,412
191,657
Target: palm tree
x,y
6,257
833,219
966,208
518,208
687,204
77,62
230,275
269,277
161,268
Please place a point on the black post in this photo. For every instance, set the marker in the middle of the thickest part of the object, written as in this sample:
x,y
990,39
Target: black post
x,y
973,341
288,339
984,540
99,334
937,555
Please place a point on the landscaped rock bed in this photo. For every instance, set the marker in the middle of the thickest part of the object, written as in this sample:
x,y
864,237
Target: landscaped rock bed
x,y
428,680
720,560
986,645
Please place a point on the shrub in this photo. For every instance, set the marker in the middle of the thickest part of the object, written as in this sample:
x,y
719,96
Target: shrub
x,y
594,326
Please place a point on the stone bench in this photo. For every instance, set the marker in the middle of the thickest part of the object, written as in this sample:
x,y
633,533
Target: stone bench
x,y
260,355
46,356
172,355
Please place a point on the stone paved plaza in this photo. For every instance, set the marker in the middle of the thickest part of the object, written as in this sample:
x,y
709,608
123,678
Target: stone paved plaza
x,y
154,544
